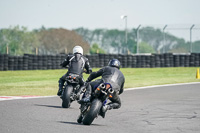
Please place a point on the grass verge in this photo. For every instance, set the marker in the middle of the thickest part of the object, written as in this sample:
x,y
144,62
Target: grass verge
x,y
45,82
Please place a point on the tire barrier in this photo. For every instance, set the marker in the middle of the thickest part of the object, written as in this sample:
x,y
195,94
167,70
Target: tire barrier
x,y
44,62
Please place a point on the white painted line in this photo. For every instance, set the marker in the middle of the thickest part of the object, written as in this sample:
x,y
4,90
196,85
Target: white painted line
x,y
146,87
3,98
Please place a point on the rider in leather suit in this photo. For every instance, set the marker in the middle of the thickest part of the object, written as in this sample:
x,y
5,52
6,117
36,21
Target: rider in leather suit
x,y
77,63
110,74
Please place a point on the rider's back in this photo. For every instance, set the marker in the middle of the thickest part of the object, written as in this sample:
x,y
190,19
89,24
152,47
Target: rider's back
x,y
114,76
76,64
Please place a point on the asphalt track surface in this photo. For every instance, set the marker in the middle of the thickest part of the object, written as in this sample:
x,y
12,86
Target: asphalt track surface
x,y
166,109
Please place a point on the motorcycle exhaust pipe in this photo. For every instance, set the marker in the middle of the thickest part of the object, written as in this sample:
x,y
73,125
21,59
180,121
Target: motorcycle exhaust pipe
x,y
110,91
99,88
102,86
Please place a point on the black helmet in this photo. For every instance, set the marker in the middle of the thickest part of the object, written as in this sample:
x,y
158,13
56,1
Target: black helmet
x,y
114,63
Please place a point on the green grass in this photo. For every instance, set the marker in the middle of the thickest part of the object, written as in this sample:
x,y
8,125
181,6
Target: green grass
x,y
45,82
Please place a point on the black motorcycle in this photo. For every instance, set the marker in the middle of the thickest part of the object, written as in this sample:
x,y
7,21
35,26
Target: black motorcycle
x,y
71,91
91,110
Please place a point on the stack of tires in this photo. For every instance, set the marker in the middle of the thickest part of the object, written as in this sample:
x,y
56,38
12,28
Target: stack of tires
x,y
134,61
162,60
176,60
152,61
59,61
106,59
20,63
39,62
129,61
25,62
49,62
11,60
124,61
15,63
138,60
35,62
182,60
30,62
95,60
157,60
168,60
3,62
101,60
147,61
197,57
187,60
55,62
143,61
43,62
192,60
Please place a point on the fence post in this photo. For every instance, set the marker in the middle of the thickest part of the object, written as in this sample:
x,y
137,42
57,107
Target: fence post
x,y
7,49
36,50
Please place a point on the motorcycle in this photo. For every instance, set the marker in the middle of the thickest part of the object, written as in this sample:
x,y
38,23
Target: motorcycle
x,y
71,90
91,110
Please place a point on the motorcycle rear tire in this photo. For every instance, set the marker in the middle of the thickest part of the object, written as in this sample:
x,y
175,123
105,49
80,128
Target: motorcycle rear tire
x,y
66,102
93,112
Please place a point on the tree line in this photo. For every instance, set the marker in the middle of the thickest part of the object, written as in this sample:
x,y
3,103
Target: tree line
x,y
19,40
150,40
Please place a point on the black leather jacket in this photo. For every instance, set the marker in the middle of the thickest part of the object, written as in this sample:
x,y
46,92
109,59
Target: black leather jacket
x,y
76,64
110,75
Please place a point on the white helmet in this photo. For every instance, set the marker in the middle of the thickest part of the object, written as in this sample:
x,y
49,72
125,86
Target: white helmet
x,y
78,49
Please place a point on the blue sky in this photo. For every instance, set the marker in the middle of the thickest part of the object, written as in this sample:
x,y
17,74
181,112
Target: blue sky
x,y
94,14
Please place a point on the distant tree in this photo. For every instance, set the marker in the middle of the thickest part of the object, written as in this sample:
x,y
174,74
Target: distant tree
x,y
196,47
145,48
96,50
18,39
56,41
113,41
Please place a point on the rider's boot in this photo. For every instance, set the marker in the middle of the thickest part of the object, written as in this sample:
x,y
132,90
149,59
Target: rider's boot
x,y
86,99
61,83
104,110
87,95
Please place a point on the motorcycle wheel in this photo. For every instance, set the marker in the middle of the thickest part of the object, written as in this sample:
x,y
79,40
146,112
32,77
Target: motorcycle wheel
x,y
66,96
93,112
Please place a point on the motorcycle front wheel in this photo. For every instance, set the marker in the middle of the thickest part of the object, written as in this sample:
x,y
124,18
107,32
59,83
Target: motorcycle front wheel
x,y
66,96
93,112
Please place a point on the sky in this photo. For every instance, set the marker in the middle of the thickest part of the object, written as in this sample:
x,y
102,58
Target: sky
x,y
93,14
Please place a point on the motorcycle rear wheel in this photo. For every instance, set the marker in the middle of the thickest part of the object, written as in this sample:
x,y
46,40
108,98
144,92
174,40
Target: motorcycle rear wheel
x,y
66,102
93,112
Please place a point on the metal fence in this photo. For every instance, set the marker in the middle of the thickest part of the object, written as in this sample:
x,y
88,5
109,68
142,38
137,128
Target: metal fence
x,y
165,41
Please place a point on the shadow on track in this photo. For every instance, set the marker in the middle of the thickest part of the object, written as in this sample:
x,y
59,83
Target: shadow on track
x,y
51,106
75,123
